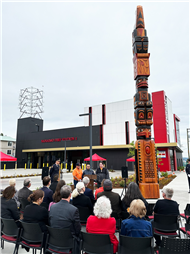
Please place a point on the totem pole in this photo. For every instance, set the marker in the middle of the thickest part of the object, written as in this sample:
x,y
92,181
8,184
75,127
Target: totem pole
x,y
146,163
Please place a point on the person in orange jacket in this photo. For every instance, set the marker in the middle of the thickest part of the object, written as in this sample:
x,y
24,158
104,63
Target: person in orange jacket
x,y
77,174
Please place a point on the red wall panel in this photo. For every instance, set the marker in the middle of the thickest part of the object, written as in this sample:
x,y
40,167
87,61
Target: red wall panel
x,y
159,117
165,161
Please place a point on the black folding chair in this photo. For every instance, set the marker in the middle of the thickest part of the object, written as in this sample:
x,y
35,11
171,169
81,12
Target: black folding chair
x,y
10,233
166,225
186,213
31,236
118,220
186,229
150,211
24,202
84,213
59,240
135,245
174,245
96,243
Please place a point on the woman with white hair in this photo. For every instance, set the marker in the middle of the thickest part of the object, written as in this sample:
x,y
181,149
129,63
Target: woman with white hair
x,y
102,223
79,199
136,225
12,182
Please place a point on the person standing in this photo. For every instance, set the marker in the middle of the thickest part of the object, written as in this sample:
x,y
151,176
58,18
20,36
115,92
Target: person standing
x,y
54,170
87,171
187,169
102,173
77,174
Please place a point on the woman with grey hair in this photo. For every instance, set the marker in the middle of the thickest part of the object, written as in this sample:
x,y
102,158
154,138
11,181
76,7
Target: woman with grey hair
x,y
102,223
79,199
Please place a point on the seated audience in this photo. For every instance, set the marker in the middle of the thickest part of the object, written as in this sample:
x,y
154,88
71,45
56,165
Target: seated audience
x,y
12,182
9,208
102,223
47,192
57,195
54,183
133,192
64,215
136,225
79,199
114,198
166,206
34,213
24,193
88,192
88,171
101,189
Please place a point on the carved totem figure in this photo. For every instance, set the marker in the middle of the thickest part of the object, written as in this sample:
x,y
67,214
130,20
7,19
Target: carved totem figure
x,y
146,166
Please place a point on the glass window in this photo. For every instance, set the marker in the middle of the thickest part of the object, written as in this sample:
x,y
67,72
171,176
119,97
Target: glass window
x,y
10,143
8,151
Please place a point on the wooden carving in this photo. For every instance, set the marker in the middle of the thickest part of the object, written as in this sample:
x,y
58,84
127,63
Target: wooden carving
x,y
146,167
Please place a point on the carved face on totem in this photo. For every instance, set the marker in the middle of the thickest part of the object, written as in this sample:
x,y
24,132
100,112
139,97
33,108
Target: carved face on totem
x,y
143,133
142,81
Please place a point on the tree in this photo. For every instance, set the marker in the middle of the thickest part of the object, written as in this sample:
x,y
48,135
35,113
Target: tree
x,y
1,134
131,152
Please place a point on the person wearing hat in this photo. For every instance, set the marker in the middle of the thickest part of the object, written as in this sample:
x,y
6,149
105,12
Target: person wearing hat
x,y
115,199
187,169
77,174
54,170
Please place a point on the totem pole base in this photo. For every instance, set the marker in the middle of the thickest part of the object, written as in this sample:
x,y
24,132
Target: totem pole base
x,y
149,190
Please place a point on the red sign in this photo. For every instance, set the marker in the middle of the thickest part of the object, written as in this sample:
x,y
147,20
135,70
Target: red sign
x,y
57,139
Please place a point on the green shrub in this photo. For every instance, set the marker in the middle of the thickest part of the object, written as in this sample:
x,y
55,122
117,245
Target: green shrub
x,y
164,174
122,183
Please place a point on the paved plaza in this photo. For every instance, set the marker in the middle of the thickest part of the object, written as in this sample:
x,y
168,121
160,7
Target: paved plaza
x,y
179,184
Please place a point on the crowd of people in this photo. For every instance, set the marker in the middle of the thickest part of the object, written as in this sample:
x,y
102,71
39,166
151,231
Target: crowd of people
x,y
56,205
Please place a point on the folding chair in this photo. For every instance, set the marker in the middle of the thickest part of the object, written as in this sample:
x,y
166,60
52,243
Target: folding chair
x,y
174,245
186,215
96,243
118,221
84,213
60,239
31,236
10,233
150,211
135,245
166,225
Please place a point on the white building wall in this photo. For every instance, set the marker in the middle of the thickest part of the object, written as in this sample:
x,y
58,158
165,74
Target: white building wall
x,y
170,121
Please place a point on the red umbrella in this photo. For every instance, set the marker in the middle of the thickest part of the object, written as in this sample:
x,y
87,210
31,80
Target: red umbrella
x,y
95,157
130,159
5,157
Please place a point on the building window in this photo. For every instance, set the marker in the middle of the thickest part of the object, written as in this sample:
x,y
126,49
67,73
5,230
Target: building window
x,y
177,132
10,143
8,151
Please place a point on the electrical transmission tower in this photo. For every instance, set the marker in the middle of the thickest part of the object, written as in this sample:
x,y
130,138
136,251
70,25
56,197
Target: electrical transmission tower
x,y
31,102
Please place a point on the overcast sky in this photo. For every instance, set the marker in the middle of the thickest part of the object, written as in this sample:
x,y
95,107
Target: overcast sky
x,y
80,54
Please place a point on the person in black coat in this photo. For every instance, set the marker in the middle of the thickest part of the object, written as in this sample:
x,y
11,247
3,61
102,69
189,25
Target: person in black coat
x,y
133,192
187,169
9,208
54,183
48,194
54,170
88,192
102,173
24,193
34,213
79,199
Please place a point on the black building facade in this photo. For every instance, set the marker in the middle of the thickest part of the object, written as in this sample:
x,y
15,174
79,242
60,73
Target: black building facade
x,y
43,147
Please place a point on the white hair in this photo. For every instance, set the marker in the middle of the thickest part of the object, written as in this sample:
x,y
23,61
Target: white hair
x,y
12,182
169,192
102,207
86,180
78,190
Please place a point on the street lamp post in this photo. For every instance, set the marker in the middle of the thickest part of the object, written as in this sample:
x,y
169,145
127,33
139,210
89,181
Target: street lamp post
x,y
188,140
90,130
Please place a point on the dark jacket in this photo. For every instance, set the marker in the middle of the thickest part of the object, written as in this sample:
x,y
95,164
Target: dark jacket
x,y
87,172
24,193
102,174
187,169
47,195
34,213
84,201
64,215
53,186
136,227
9,209
115,199
167,207
88,192
54,171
